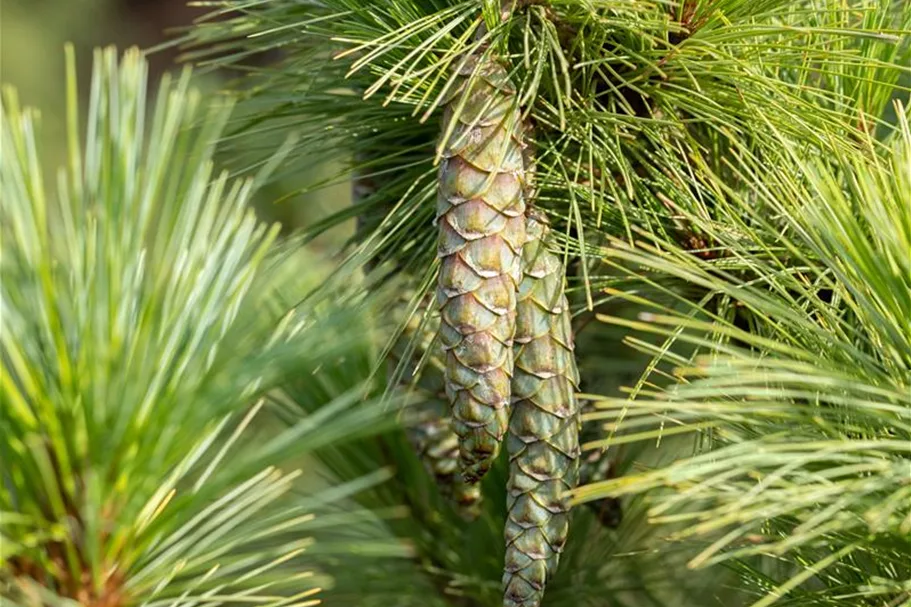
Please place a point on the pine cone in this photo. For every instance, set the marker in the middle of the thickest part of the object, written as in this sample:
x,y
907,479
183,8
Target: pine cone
x,y
543,439
481,220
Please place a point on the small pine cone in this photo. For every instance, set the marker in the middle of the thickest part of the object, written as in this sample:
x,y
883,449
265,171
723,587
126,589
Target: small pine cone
x,y
481,221
430,434
543,440
427,422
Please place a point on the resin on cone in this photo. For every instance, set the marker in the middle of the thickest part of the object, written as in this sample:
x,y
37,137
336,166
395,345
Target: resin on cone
x,y
543,439
481,222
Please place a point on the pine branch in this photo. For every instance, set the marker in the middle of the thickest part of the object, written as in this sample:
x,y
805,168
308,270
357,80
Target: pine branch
x,y
140,336
808,407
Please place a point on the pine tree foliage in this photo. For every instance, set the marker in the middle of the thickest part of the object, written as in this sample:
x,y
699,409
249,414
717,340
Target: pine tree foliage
x,y
455,563
724,167
809,405
139,339
611,87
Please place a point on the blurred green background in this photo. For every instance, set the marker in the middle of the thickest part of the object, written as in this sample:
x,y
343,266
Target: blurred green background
x,y
33,32
32,37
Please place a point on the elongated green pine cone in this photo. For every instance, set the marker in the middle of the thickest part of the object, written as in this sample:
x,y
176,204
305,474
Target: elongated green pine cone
x,y
430,433
428,424
543,440
481,220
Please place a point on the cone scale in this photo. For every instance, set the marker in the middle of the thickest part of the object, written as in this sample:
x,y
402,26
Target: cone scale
x,y
481,222
543,440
